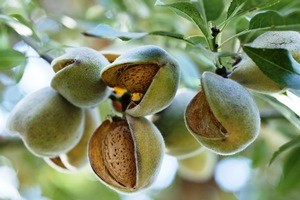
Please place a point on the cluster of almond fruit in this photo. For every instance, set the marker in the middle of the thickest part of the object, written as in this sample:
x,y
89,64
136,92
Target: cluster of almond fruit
x,y
61,123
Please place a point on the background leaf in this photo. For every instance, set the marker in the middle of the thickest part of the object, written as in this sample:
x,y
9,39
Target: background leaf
x,y
286,6
283,109
291,144
195,41
273,20
23,21
291,173
238,7
189,71
278,64
189,11
19,27
105,31
19,72
10,58
235,6
213,9
260,149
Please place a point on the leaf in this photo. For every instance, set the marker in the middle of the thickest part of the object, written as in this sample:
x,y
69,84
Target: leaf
x,y
168,34
4,38
291,174
189,11
268,3
292,143
17,26
10,58
105,31
277,64
238,7
23,21
5,18
258,156
189,71
283,109
241,25
286,6
213,9
195,42
19,72
273,20
270,20
235,5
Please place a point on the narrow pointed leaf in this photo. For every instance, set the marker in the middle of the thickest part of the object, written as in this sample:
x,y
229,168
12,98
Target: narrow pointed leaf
x,y
189,11
235,6
289,180
278,64
213,9
238,7
23,21
19,72
168,34
269,20
273,20
289,114
105,31
10,58
20,27
291,144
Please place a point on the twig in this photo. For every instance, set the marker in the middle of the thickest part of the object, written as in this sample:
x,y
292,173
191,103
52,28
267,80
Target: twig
x,y
30,42
10,142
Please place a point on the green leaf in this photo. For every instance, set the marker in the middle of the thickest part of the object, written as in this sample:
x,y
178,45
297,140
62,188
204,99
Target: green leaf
x,y
189,11
19,72
213,9
105,31
269,20
273,20
4,37
283,109
238,7
278,64
10,58
286,6
292,143
235,6
5,18
23,21
168,34
189,71
196,39
17,26
260,149
291,174
267,3
241,25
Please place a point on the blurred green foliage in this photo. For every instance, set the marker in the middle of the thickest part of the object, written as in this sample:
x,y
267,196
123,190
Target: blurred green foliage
x,y
50,27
